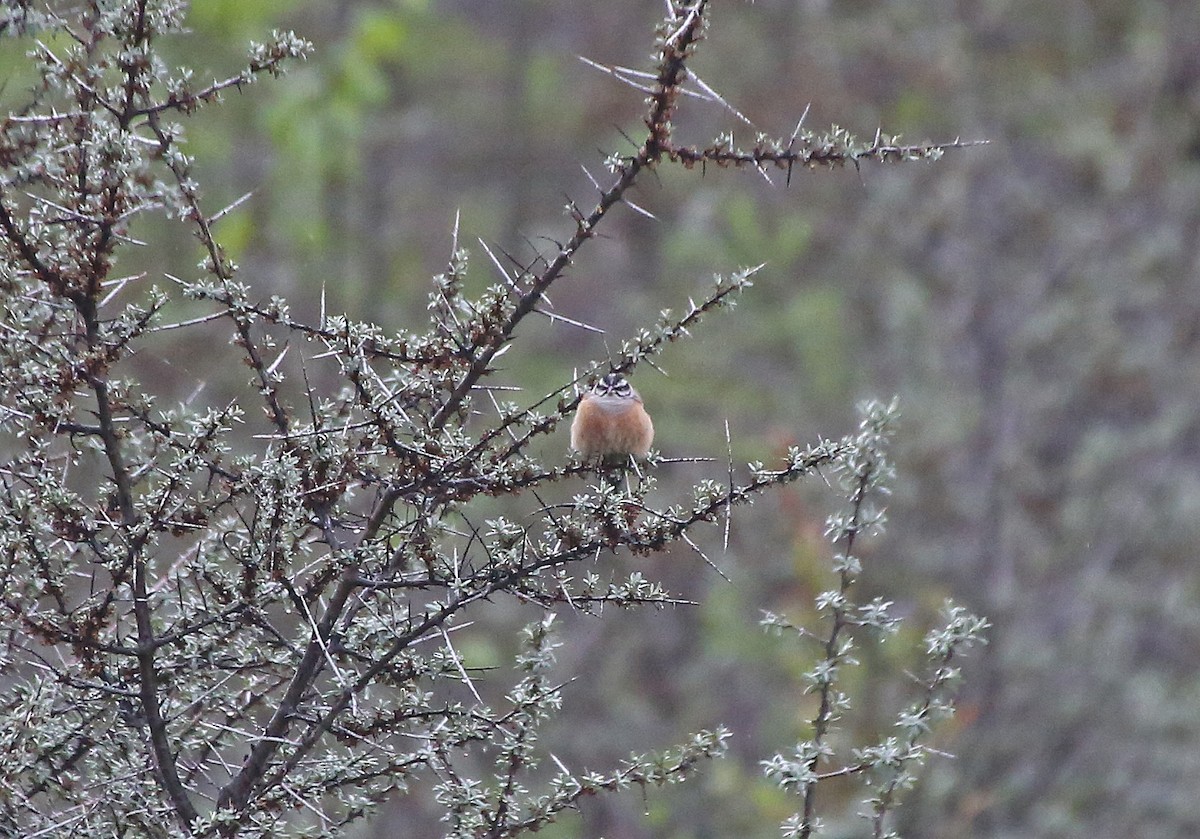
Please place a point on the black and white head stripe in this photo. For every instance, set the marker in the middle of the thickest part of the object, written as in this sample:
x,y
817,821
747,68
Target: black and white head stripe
x,y
613,384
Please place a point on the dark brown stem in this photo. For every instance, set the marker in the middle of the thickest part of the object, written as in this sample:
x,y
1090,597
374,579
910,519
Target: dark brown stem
x,y
671,74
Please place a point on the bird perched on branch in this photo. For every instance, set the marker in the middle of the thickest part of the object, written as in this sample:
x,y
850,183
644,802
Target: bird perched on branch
x,y
611,422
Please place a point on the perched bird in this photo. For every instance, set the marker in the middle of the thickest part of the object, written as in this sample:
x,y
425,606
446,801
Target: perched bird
x,y
611,422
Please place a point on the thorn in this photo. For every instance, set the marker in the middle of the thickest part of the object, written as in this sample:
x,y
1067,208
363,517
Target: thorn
x,y
640,210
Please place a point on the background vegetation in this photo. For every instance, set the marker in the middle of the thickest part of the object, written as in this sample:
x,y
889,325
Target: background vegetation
x,y
1034,304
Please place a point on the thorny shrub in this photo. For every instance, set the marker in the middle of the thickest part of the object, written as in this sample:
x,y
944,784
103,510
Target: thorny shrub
x,y
218,616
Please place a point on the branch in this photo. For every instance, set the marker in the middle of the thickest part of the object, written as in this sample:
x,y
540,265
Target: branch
x,y
647,538
838,148
673,52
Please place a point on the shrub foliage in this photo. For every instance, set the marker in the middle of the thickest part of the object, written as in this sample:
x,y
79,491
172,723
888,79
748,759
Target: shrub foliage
x,y
235,616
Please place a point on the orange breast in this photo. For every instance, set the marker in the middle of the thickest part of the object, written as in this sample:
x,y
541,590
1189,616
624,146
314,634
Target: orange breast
x,y
602,428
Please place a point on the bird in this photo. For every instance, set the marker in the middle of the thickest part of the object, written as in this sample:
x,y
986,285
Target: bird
x,y
611,422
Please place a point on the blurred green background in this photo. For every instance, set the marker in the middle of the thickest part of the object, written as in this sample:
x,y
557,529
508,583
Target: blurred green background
x,y
1035,303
